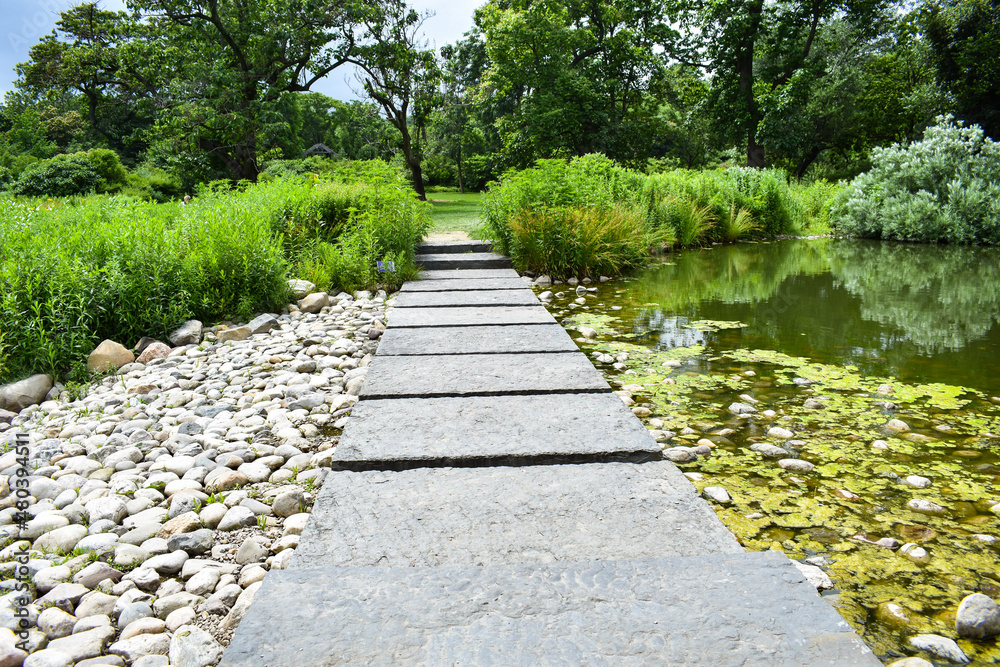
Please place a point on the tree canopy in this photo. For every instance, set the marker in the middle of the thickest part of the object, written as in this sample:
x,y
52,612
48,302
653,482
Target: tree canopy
x,y
211,88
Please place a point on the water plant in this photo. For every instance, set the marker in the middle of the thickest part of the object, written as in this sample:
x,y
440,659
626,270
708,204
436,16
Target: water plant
x,y
526,213
735,224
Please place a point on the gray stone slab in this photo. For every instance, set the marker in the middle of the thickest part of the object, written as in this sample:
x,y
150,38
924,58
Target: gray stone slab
x,y
468,316
521,297
476,340
439,247
472,260
491,515
457,285
477,427
481,374
732,610
466,274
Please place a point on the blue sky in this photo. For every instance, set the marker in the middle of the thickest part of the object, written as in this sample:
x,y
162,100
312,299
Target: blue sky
x,y
25,21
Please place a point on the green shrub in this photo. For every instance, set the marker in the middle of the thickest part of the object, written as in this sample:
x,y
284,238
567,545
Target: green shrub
x,y
75,272
591,181
109,267
944,188
153,184
765,195
111,174
61,176
22,162
363,212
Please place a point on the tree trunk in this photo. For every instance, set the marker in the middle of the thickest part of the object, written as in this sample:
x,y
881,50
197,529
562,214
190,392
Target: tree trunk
x,y
744,69
413,162
246,159
800,170
461,184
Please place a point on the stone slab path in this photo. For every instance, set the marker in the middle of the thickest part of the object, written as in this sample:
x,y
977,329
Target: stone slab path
x,y
496,503
483,427
462,316
399,341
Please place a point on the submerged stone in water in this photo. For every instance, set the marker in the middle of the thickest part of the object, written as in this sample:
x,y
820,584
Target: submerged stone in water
x,y
780,433
925,507
978,617
718,494
916,533
897,425
893,615
769,450
917,554
846,495
940,646
911,662
742,409
796,465
917,482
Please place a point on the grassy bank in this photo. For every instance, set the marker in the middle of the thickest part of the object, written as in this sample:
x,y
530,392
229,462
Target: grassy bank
x,y
455,211
589,215
77,271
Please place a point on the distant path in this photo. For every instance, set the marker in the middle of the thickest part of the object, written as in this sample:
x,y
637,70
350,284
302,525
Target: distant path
x,y
438,237
493,502
454,212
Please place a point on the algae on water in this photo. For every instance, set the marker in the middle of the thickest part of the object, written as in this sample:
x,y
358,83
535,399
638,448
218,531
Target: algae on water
x,y
856,494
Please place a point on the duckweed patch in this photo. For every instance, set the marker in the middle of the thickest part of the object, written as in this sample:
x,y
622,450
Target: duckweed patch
x,y
713,325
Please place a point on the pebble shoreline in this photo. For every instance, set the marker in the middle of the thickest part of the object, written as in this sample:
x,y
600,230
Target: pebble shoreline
x,y
161,499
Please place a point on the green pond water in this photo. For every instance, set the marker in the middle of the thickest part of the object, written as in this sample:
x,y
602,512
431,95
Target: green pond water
x,y
831,340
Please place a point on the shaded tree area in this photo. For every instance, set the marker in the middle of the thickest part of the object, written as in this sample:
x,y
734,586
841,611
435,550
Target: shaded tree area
x,y
208,89
964,40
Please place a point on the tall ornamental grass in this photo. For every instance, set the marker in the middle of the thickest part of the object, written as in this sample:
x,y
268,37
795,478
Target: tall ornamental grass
x,y
547,218
601,241
944,188
77,271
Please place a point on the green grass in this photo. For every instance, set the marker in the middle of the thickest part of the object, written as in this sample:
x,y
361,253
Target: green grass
x,y
455,212
77,271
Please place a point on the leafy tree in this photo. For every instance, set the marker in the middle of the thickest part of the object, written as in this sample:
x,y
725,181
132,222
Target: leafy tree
x,y
768,56
235,64
578,72
97,55
401,77
964,36
355,129
23,139
686,136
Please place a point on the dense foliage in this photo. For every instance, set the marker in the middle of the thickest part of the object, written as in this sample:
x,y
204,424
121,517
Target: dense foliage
x,y
570,217
202,90
77,271
943,188
97,170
